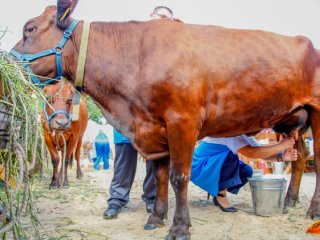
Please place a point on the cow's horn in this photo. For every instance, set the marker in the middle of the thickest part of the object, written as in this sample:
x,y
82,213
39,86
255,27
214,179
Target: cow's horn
x,y
65,8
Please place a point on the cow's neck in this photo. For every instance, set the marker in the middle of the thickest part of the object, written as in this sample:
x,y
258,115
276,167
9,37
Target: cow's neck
x,y
111,69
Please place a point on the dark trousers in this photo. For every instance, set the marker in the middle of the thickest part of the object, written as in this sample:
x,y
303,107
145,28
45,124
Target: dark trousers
x,y
234,174
125,165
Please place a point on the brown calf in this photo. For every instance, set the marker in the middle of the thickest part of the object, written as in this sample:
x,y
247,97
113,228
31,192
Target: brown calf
x,y
56,118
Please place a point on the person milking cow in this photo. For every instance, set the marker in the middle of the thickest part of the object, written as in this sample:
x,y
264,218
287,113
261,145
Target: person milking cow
x,y
216,167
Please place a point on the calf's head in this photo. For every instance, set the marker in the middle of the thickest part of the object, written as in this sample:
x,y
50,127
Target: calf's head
x,y
57,110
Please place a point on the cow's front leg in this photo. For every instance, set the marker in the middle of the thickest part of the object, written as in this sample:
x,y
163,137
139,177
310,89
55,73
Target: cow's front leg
x,y
55,164
66,180
292,196
182,139
55,159
314,209
161,173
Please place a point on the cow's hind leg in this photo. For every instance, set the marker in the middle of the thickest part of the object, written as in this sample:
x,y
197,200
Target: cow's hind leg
x,y
182,139
63,178
161,173
292,196
66,164
70,147
314,209
77,155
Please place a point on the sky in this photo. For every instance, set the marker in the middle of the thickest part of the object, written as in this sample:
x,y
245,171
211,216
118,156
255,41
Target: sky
x,y
288,17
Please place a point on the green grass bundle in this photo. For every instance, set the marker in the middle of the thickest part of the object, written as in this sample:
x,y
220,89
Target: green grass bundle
x,y
19,116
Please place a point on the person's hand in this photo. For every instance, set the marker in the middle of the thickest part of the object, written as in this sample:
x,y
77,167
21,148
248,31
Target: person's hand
x,y
288,143
290,155
295,134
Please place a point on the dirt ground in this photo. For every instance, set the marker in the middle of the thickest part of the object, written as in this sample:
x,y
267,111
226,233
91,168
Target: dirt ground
x,y
76,212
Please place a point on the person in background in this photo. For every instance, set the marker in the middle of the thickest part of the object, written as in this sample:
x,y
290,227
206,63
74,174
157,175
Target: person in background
x,y
216,167
125,165
102,150
163,12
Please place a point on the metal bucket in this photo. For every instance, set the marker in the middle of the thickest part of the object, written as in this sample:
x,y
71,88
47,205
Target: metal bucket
x,y
268,195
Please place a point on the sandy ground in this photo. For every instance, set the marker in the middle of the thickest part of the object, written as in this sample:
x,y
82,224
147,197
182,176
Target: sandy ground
x,y
76,213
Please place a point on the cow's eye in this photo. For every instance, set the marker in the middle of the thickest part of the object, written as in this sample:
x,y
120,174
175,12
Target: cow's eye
x,y
30,29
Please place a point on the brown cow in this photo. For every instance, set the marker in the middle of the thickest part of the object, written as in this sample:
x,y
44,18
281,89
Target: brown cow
x,y
86,147
56,118
165,84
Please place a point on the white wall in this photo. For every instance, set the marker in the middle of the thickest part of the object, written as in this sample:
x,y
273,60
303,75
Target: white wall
x,y
290,17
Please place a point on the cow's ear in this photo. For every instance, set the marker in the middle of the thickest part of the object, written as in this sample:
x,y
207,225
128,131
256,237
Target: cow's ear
x,y
65,8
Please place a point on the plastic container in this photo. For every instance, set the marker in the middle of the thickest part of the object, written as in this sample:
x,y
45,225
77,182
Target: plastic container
x,y
278,168
268,195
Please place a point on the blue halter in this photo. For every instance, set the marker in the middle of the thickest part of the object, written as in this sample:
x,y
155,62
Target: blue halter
x,y
51,116
57,51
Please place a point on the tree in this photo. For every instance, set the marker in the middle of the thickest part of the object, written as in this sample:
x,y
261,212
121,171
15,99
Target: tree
x,y
94,112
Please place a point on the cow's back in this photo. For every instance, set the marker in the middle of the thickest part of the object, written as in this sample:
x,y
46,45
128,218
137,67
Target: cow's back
x,y
254,78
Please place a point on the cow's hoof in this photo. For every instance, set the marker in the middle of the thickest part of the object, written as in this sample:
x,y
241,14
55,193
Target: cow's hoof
x,y
290,202
148,226
80,176
53,185
170,237
155,220
66,185
314,212
153,223
179,232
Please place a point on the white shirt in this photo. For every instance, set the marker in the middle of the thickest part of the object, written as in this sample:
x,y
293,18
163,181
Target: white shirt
x,y
233,143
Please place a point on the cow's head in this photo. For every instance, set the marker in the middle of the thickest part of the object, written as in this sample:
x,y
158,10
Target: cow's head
x,y
57,110
44,33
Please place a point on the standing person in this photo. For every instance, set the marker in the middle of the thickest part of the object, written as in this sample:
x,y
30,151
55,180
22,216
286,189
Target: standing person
x,y
216,167
125,165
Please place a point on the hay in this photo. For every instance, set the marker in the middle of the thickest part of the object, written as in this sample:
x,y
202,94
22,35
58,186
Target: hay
x,y
19,99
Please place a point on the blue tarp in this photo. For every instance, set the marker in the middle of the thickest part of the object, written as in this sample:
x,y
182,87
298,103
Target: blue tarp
x,y
102,151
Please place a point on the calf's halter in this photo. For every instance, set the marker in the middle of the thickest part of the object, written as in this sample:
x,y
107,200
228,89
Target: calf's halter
x,y
27,58
56,112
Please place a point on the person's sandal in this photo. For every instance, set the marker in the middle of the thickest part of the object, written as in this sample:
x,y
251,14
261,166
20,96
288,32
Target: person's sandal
x,y
229,209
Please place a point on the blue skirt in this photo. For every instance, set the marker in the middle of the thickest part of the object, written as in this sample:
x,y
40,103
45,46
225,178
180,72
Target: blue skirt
x,y
216,168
